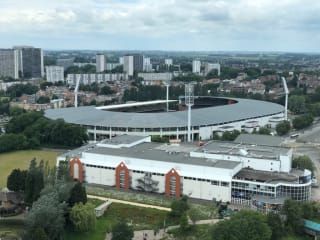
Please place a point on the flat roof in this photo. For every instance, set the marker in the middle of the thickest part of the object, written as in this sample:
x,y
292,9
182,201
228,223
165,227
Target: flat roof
x,y
150,151
241,149
122,139
242,110
268,177
134,104
259,139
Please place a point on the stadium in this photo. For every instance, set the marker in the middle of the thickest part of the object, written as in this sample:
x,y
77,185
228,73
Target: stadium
x,y
210,115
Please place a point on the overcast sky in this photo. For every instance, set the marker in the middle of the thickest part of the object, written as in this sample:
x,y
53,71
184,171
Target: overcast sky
x,y
215,25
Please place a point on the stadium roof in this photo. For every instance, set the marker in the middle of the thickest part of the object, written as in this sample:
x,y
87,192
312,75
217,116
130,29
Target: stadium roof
x,y
244,109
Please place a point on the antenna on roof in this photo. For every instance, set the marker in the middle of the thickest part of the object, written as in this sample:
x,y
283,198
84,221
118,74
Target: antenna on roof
x,y
286,91
189,101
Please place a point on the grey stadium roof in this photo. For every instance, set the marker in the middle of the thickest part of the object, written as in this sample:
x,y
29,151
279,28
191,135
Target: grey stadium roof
x,y
244,109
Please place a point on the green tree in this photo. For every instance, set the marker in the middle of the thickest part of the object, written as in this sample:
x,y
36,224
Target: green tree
x,y
179,207
83,217
43,99
122,231
16,181
11,142
78,194
293,212
303,162
297,104
34,182
244,225
302,121
39,234
47,213
283,128
264,131
276,226
184,225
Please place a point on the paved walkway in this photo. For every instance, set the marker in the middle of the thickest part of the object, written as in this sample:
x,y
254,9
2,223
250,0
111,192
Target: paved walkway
x,y
129,203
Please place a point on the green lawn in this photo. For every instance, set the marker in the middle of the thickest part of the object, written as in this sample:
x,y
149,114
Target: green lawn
x,y
195,232
140,218
21,159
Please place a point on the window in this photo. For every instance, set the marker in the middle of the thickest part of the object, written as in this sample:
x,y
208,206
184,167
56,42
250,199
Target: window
x,y
215,183
224,184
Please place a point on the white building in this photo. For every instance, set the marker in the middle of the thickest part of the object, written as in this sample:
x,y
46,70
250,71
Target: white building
x,y
128,66
9,63
168,62
147,66
155,78
88,79
208,67
259,176
196,66
121,60
111,66
54,74
100,63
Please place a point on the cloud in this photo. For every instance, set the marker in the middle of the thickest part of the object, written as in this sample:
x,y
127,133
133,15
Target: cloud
x,y
205,22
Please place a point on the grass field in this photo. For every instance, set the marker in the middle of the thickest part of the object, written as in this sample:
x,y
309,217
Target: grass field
x,y
21,159
140,218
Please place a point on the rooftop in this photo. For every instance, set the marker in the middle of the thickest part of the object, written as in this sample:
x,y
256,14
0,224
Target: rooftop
x,y
258,139
122,139
151,151
242,149
269,177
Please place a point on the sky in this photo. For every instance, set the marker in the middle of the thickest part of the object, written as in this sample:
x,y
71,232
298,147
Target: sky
x,y
173,25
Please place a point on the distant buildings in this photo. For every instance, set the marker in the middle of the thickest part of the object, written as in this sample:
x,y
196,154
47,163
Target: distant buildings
x,y
155,78
168,62
30,62
100,63
133,63
9,63
128,65
95,78
111,66
65,62
21,61
54,73
208,67
147,66
196,66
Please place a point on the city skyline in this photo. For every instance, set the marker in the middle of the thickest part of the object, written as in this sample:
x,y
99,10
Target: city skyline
x,y
242,25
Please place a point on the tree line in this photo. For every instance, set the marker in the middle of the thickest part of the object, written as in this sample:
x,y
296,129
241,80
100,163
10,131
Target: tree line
x,y
31,130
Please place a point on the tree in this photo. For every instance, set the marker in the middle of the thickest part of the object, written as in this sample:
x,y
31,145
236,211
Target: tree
x,y
83,217
34,182
122,231
276,225
16,181
302,121
10,142
244,225
184,225
283,128
193,213
179,207
264,131
43,99
46,213
78,194
297,104
303,162
39,234
230,135
293,212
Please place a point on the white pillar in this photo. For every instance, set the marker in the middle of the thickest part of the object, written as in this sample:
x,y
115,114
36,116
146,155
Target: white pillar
x,y
95,134
110,132
286,108
177,133
189,123
167,97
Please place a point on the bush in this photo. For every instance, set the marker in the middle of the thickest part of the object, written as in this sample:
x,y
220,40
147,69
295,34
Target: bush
x,y
283,128
302,121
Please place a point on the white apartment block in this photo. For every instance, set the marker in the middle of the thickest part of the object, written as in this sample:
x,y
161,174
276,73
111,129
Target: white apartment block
x,y
95,78
54,73
9,63
196,66
208,67
128,66
100,63
155,78
147,66
168,61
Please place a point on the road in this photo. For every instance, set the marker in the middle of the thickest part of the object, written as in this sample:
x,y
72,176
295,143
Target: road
x,y
129,203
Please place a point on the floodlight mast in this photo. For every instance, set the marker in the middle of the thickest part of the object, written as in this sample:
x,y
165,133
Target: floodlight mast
x,y
286,91
167,83
189,101
76,93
